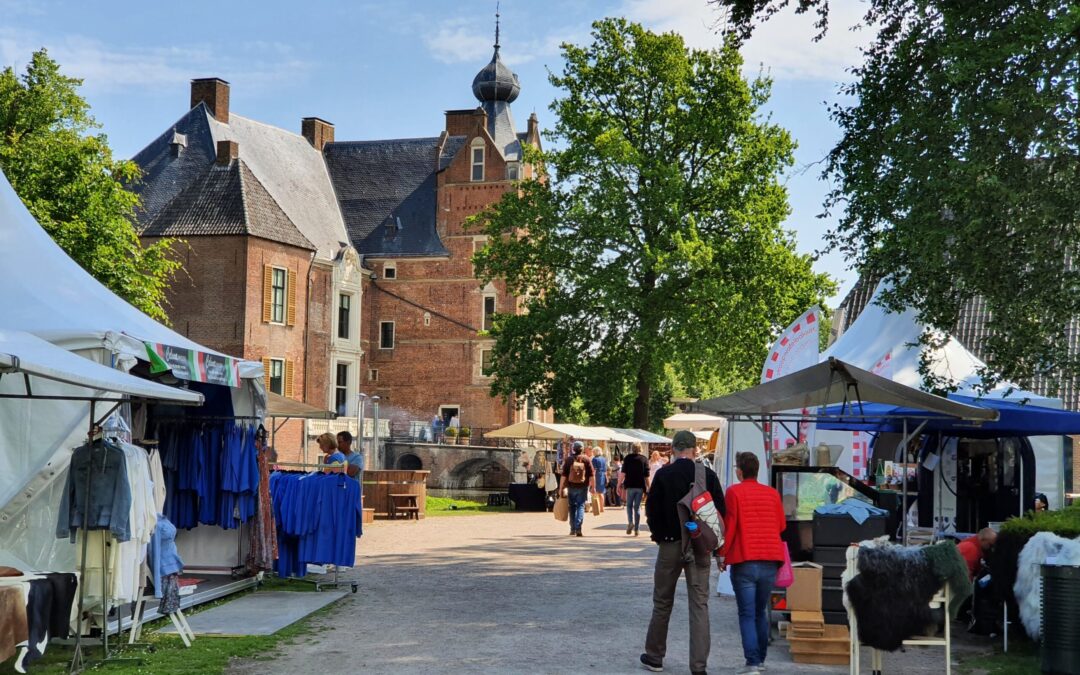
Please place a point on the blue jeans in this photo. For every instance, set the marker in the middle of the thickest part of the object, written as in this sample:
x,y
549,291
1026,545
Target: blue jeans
x,y
753,582
633,506
577,496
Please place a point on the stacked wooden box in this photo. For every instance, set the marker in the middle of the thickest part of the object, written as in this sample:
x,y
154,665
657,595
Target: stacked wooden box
x,y
811,640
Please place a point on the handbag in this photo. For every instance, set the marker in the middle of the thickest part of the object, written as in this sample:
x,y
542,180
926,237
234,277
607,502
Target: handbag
x,y
562,509
785,576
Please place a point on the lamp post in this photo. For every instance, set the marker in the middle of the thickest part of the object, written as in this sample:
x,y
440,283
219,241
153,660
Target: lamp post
x,y
361,400
375,429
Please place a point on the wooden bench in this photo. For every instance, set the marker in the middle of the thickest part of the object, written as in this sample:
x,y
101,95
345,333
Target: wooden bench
x,y
405,504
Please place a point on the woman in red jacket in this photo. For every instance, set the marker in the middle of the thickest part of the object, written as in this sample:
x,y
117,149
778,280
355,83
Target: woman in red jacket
x,y
753,550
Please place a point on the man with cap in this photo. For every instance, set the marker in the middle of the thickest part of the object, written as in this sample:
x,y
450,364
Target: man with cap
x,y
577,474
670,484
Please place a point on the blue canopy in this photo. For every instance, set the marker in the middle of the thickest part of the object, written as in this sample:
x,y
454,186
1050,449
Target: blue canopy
x,y
1014,419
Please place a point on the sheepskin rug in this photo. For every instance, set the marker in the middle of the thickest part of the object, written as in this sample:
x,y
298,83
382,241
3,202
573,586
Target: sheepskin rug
x,y
1028,588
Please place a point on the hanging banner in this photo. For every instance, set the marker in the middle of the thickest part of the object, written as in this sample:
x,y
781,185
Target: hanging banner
x,y
860,440
195,366
797,348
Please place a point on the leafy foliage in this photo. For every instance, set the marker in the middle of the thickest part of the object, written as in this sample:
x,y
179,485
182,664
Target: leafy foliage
x,y
1063,522
957,176
68,180
651,253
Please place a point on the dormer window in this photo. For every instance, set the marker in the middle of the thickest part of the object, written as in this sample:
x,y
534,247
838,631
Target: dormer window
x,y
477,155
513,172
178,143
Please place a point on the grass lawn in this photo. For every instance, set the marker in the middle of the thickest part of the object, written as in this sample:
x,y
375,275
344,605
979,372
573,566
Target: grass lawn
x,y
444,506
1022,659
166,654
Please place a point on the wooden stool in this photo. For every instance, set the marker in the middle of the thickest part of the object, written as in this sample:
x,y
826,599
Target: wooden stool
x,y
404,504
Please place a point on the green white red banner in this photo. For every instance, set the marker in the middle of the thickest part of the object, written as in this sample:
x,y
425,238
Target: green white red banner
x,y
192,365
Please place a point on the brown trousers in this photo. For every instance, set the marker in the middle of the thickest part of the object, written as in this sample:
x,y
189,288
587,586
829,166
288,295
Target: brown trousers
x,y
670,565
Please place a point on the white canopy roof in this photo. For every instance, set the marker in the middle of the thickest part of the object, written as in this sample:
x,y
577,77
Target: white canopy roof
x,y
24,353
549,431
46,293
694,421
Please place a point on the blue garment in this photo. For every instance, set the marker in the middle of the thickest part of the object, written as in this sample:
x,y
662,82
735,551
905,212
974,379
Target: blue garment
x,y
102,468
633,506
599,465
577,496
356,459
161,554
753,582
318,519
859,510
334,458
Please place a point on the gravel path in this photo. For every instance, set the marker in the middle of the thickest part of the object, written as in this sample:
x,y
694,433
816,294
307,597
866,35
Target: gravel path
x,y
512,593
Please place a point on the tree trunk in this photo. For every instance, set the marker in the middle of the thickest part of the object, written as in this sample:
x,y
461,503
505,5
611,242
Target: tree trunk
x,y
644,391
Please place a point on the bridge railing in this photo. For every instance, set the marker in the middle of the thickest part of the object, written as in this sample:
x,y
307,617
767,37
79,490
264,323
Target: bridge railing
x,y
423,433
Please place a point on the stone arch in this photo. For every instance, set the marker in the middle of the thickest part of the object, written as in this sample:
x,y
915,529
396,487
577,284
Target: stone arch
x,y
479,472
409,462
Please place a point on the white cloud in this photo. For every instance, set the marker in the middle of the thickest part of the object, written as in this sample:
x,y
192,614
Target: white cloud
x,y
783,45
459,41
107,69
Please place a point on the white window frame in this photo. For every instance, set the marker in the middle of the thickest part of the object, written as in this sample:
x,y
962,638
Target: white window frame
x,y
284,294
270,376
348,318
389,271
513,171
338,386
477,146
373,374
483,310
393,335
455,407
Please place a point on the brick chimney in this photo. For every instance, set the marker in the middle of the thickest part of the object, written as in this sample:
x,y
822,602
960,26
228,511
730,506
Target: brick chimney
x,y
214,92
532,134
227,151
317,131
465,122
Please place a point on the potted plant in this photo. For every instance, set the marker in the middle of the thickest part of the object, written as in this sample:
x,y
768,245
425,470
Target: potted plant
x,y
464,435
451,435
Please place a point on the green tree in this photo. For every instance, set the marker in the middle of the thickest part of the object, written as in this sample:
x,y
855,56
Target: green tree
x,y
66,176
958,171
654,240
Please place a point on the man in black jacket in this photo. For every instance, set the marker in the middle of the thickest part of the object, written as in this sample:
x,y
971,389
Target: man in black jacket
x,y
669,485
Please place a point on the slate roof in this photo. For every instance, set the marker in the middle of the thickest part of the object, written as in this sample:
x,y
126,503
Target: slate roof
x,y
382,183
226,200
291,171
971,331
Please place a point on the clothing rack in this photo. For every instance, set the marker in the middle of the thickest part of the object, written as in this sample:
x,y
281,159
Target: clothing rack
x,y
78,661
319,585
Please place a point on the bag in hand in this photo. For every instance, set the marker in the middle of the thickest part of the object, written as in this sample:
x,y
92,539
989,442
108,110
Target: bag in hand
x,y
562,509
597,504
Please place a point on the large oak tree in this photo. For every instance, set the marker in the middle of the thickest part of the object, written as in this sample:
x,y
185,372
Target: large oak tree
x,y
65,174
652,243
958,171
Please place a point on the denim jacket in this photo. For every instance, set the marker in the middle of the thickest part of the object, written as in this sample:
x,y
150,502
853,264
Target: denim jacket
x,y
161,554
108,504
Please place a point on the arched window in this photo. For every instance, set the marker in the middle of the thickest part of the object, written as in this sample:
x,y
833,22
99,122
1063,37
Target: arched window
x,y
477,157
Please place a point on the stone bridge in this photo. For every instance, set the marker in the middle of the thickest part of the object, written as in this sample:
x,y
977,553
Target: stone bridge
x,y
457,466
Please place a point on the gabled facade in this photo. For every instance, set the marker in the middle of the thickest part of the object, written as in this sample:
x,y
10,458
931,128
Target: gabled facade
x,y
344,266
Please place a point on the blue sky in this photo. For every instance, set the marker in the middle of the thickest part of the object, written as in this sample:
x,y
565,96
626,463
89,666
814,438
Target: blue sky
x,y
390,69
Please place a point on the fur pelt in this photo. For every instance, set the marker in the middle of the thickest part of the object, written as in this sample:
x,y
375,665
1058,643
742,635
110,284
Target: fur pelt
x,y
948,565
1028,588
891,595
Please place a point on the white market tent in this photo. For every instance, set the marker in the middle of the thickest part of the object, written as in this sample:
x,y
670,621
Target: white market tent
x,y
550,431
49,296
694,421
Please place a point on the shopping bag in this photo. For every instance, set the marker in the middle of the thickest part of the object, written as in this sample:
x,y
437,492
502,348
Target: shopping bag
x,y
785,576
597,505
562,509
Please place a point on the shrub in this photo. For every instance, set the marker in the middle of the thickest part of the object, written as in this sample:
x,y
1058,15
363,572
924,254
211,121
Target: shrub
x,y
451,432
1064,523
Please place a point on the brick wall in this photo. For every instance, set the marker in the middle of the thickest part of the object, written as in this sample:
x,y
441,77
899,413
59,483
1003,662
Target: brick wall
x,y
436,361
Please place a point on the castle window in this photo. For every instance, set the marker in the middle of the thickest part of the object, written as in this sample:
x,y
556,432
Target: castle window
x,y
489,311
512,171
386,335
477,156
389,271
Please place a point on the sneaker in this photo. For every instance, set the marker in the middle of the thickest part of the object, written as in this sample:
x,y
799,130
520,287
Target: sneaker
x,y
635,532
747,670
649,663
580,534
629,529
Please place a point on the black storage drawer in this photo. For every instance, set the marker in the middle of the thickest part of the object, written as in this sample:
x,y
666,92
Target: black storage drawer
x,y
841,530
829,555
832,598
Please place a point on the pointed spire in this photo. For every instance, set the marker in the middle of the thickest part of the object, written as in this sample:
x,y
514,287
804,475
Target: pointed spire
x,y
496,26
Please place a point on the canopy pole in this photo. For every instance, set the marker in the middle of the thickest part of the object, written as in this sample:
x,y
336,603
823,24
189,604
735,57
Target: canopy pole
x,y
903,463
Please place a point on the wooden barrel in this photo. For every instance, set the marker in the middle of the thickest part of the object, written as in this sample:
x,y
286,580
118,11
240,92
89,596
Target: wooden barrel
x,y
379,485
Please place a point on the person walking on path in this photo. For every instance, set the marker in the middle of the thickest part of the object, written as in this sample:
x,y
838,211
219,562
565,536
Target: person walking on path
x,y
635,481
674,558
656,460
577,473
599,465
754,551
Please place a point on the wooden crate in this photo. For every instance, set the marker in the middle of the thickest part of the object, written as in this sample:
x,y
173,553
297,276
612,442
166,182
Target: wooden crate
x,y
836,641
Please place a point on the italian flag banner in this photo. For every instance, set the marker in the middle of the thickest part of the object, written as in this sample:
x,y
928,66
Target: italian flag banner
x,y
192,365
